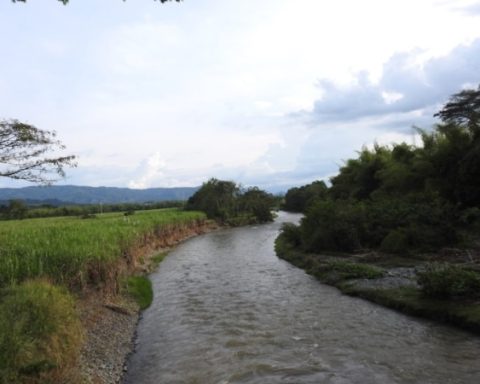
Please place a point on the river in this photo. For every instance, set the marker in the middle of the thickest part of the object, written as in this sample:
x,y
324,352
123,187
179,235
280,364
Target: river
x,y
227,310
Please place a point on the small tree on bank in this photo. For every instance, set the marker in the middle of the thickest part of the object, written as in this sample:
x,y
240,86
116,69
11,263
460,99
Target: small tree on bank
x,y
257,202
224,200
217,198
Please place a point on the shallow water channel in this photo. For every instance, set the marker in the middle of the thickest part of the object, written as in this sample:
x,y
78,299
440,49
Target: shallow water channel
x,y
227,310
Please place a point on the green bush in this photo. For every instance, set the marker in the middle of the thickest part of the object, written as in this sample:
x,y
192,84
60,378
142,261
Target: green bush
x,y
349,270
140,288
40,334
395,242
446,280
332,226
394,224
418,221
291,233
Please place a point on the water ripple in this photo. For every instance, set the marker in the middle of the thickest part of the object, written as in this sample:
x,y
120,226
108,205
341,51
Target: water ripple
x,y
227,310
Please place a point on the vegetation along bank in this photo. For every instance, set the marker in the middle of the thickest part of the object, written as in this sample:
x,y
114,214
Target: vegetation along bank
x,y
230,204
71,287
71,290
400,224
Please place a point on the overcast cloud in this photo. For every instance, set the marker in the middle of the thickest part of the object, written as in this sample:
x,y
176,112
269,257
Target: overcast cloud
x,y
273,93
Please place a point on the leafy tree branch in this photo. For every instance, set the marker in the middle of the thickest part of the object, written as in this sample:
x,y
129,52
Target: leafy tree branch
x,y
65,2
24,153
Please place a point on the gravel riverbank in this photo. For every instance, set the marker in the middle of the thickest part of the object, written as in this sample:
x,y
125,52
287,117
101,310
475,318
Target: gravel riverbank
x,y
110,331
392,281
110,320
399,277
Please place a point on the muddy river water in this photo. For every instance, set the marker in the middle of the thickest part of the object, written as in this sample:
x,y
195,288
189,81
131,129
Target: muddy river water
x,y
227,310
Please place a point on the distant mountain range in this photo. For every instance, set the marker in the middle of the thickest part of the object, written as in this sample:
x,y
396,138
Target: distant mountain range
x,y
70,194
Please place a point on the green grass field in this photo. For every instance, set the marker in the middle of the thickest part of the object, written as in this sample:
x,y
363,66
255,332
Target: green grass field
x,y
42,259
68,249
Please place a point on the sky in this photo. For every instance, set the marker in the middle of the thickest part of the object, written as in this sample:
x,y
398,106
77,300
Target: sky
x,y
273,93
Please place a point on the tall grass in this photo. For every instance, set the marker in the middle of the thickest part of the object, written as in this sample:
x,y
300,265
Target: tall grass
x,y
72,251
40,334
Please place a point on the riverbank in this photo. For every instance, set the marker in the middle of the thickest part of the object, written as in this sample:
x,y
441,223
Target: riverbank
x,y
229,310
110,320
389,281
67,285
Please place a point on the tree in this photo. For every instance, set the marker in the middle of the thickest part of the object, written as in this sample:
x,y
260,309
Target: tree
x,y
217,198
66,1
225,201
16,209
257,202
298,199
463,108
23,149
358,178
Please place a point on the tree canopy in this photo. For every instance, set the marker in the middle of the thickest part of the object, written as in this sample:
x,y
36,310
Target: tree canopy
x,y
23,153
65,2
463,108
297,199
398,197
227,202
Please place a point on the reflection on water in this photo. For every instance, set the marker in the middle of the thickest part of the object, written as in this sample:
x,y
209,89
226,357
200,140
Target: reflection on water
x,y
227,310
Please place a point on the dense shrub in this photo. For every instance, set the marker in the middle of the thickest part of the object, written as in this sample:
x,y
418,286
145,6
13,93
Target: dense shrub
x,y
395,242
349,270
332,226
414,221
40,334
291,234
446,280
298,199
395,225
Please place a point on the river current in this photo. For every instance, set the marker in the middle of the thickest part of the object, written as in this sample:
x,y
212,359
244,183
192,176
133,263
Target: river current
x,y
227,310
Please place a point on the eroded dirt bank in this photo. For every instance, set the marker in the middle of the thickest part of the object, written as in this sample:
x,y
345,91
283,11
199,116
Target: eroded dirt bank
x,y
110,316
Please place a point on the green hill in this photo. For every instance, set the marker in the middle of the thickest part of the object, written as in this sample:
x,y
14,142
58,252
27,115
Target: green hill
x,y
94,195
